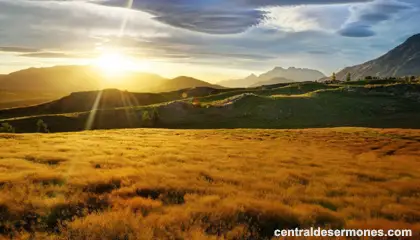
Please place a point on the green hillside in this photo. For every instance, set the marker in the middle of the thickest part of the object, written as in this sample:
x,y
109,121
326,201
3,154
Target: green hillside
x,y
298,105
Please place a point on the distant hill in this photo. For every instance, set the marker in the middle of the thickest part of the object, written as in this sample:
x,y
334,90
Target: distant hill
x,y
183,82
105,99
272,82
238,83
403,60
76,78
60,78
292,74
87,78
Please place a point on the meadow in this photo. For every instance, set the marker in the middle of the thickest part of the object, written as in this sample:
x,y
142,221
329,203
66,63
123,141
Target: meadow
x,y
206,184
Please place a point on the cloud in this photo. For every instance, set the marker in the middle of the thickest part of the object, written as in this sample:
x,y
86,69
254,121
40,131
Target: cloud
x,y
179,35
17,49
306,17
356,30
56,25
365,16
53,55
213,16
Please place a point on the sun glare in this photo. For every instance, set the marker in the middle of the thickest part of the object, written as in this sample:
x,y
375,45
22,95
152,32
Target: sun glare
x,y
114,63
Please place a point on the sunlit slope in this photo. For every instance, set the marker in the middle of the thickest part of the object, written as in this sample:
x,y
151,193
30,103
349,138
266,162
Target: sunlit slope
x,y
206,184
292,106
13,99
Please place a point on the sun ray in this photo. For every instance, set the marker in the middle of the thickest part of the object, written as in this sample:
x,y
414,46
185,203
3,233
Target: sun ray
x,y
92,114
125,20
127,106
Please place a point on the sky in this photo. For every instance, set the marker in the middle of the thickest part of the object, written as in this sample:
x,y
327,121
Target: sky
x,y
209,39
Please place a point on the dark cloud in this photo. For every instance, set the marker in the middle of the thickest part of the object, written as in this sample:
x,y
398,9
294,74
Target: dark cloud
x,y
214,22
18,49
263,3
356,30
212,16
364,17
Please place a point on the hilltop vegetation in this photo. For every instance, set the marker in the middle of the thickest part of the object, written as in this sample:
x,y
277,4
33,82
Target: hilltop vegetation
x,y
208,184
295,105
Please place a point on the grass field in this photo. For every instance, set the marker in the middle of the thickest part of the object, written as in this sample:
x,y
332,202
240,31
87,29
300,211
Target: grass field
x,y
206,184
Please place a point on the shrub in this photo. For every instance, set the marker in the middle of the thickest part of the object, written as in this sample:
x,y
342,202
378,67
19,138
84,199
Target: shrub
x,y
108,225
150,118
146,116
7,128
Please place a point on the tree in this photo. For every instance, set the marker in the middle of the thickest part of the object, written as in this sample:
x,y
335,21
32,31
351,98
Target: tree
x,y
348,77
369,78
334,77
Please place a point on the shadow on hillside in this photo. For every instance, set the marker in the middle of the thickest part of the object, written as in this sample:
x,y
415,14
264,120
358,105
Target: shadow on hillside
x,y
251,111
309,105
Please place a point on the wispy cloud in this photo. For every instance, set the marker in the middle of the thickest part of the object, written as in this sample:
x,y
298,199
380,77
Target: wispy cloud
x,y
54,55
306,17
364,17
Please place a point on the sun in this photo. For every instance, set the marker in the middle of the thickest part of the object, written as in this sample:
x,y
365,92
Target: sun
x,y
114,63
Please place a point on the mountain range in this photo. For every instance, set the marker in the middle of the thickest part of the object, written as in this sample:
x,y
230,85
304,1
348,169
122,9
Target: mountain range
x,y
275,76
404,60
87,78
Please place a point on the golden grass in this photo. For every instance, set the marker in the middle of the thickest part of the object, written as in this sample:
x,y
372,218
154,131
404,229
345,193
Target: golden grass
x,y
209,184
